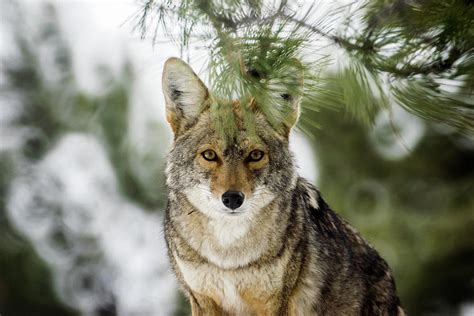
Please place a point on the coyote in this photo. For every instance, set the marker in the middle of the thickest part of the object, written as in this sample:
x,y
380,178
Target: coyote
x,y
245,234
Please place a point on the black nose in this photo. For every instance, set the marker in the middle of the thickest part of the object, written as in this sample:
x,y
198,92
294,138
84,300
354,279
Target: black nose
x,y
233,199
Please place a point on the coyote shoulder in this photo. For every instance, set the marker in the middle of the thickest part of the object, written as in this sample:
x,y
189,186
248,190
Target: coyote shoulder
x,y
246,235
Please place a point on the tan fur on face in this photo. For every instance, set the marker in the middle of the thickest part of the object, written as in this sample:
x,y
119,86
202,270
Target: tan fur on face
x,y
235,174
231,178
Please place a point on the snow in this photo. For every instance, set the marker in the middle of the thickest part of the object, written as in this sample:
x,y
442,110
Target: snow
x,y
110,249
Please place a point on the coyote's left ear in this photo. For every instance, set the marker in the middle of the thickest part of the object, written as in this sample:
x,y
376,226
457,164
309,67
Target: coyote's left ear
x,y
288,90
293,100
185,94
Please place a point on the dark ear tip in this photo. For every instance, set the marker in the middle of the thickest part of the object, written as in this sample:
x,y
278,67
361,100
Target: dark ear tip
x,y
254,73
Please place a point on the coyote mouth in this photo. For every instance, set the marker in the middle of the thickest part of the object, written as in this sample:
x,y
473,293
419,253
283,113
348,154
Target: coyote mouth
x,y
235,213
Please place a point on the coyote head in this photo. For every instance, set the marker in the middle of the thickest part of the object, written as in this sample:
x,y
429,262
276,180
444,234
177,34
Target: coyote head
x,y
223,174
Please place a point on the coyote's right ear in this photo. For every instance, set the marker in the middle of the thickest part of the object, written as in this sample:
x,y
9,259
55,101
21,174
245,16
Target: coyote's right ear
x,y
185,94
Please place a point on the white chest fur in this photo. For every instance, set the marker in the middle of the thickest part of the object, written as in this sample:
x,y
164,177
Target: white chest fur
x,y
227,244
219,285
229,230
234,289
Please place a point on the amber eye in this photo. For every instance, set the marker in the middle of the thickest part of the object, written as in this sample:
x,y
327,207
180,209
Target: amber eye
x,y
209,155
256,155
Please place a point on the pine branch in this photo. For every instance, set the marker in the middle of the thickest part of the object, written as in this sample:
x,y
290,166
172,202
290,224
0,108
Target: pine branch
x,y
396,41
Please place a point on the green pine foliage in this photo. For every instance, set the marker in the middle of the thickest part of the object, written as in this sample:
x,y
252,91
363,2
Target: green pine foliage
x,y
418,54
426,50
254,50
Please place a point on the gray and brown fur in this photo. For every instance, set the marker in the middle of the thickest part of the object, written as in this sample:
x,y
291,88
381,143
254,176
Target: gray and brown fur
x,y
288,253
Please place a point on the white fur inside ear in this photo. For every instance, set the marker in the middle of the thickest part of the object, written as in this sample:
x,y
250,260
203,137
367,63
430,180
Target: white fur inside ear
x,y
182,88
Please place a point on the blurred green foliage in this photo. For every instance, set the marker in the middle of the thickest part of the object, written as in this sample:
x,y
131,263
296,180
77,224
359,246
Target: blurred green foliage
x,y
417,211
50,107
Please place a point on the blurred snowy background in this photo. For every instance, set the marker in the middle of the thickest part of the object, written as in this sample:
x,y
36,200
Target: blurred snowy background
x,y
82,146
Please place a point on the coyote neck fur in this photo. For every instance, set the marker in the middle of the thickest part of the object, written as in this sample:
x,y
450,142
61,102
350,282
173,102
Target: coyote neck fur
x,y
229,242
